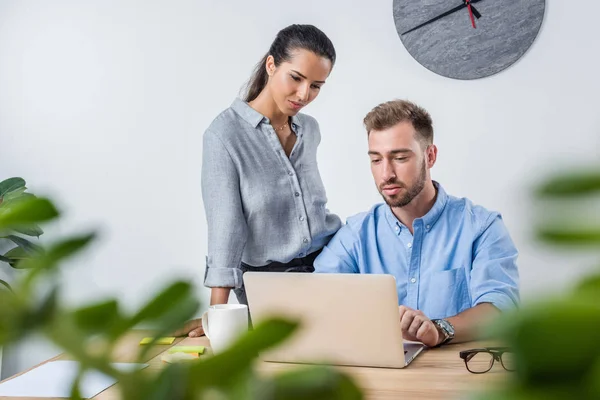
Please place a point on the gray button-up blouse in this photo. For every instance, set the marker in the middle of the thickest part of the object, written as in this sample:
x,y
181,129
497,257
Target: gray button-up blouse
x,y
260,205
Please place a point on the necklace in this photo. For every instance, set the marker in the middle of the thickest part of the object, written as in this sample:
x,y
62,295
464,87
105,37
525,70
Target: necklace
x,y
282,127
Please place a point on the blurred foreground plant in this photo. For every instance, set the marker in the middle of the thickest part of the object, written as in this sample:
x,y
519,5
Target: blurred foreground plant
x,y
90,333
556,341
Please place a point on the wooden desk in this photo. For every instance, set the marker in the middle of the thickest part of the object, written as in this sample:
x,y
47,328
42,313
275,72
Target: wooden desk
x,y
434,374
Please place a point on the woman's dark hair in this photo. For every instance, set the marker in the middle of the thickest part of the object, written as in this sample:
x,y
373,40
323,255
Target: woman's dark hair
x,y
293,37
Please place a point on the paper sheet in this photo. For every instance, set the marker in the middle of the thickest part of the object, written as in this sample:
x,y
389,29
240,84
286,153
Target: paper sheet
x,y
54,379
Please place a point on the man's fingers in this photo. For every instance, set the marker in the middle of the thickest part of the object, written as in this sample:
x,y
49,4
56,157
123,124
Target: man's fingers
x,y
407,320
428,334
424,330
415,325
401,311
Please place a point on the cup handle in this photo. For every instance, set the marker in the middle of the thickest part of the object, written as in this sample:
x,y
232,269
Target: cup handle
x,y
205,324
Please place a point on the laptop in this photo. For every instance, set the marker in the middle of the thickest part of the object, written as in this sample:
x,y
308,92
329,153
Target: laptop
x,y
345,319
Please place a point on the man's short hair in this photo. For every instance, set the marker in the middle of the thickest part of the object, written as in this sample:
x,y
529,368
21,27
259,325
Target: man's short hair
x,y
390,113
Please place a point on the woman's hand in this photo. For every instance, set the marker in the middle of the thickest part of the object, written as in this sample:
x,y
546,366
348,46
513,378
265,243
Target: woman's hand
x,y
191,328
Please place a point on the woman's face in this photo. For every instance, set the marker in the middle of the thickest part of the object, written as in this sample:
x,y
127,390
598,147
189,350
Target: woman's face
x,y
297,82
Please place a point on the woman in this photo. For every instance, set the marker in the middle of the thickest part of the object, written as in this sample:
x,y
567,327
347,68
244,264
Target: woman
x,y
263,195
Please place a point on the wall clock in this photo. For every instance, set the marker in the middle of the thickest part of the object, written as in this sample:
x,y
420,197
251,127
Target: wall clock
x,y
467,39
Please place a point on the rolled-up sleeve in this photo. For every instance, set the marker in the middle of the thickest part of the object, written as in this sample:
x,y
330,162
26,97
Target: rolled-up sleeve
x,y
227,228
494,277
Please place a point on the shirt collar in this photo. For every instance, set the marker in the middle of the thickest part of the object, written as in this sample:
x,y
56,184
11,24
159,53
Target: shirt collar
x,y
253,117
430,218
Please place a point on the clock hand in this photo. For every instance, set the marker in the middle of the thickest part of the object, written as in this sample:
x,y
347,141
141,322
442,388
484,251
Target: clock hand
x,y
452,11
468,3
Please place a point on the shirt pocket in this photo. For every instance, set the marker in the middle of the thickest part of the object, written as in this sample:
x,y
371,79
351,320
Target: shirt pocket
x,y
447,294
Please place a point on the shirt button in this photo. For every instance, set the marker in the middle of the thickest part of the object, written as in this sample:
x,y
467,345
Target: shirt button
x,y
296,194
290,173
413,280
301,255
301,218
397,229
409,245
428,226
305,240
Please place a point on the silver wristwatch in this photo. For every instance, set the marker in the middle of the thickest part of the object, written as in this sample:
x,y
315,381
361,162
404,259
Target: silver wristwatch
x,y
445,328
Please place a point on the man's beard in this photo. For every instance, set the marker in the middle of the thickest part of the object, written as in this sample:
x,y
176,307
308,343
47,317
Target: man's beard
x,y
410,194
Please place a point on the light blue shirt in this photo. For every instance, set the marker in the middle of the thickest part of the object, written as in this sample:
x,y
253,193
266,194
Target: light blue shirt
x,y
460,255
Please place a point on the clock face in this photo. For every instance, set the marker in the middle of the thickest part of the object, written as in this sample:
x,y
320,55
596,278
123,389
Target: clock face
x,y
439,34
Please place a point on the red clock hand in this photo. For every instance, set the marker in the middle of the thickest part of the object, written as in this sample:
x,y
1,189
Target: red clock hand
x,y
468,2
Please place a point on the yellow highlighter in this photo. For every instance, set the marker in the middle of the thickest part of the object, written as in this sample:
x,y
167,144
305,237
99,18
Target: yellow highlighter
x,y
162,340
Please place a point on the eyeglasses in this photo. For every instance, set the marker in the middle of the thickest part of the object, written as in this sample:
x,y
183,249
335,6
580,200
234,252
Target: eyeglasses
x,y
479,361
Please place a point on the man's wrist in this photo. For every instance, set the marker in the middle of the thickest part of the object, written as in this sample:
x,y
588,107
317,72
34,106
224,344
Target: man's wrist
x,y
441,336
445,331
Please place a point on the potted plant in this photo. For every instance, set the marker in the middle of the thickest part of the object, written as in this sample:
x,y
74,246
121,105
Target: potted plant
x,y
12,193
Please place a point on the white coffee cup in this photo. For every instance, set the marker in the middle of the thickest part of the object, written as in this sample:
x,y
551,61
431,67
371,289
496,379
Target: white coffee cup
x,y
224,323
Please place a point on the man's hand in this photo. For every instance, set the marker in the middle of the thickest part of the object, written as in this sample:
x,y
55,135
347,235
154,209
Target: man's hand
x,y
191,328
417,327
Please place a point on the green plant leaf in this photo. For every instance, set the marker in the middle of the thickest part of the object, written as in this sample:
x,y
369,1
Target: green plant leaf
x,y
570,236
223,369
47,309
97,317
593,381
49,259
537,335
17,253
589,286
172,320
25,244
11,184
26,212
5,285
14,256
172,384
10,315
316,383
22,314
168,310
32,230
14,194
75,391
64,333
163,303
573,183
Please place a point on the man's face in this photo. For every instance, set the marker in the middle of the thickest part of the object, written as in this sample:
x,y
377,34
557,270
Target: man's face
x,y
399,163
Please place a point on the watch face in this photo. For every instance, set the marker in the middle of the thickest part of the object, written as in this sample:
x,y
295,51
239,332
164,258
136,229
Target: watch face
x,y
467,39
446,327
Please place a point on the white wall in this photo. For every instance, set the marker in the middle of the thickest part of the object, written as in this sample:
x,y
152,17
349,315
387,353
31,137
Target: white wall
x,y
103,105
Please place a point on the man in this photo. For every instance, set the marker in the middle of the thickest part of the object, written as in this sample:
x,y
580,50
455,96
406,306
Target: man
x,y
454,262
